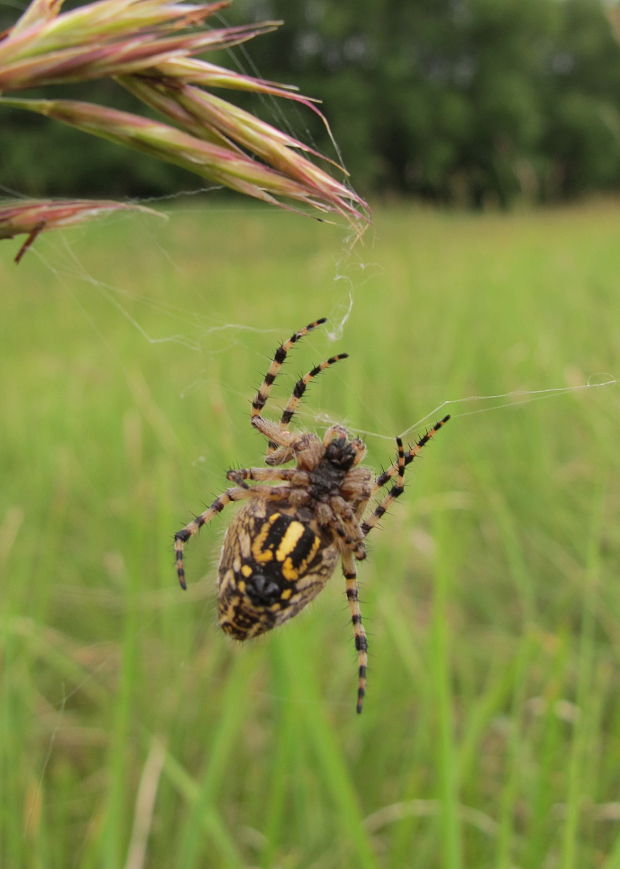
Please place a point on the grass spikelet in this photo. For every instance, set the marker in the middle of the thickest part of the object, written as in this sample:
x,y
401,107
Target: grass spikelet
x,y
30,217
148,46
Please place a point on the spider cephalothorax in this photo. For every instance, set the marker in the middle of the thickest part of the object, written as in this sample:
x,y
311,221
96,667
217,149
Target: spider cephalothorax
x,y
296,523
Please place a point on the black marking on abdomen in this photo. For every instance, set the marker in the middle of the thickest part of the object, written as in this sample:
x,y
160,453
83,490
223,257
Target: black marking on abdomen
x,y
279,526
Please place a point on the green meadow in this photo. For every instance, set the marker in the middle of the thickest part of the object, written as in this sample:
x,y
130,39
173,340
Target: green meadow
x,y
133,733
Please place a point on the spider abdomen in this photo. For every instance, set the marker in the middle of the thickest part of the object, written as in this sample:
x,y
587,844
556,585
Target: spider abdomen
x,y
274,561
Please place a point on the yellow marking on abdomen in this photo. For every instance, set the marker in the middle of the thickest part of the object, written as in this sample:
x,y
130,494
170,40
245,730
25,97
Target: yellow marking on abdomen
x,y
291,537
290,572
262,555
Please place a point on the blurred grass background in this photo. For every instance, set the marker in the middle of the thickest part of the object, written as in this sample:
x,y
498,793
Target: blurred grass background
x,y
132,732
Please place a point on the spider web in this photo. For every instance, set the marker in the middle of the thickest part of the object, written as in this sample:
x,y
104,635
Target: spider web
x,y
213,336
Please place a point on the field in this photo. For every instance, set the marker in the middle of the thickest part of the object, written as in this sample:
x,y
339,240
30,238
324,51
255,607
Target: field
x,y
133,733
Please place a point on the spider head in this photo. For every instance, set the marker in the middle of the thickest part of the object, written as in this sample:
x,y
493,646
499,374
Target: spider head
x,y
340,453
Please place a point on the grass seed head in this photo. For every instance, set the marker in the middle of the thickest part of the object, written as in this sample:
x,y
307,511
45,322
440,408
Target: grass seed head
x,y
148,46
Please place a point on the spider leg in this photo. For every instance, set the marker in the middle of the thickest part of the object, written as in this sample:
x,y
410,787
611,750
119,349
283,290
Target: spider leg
x,y
238,475
236,493
348,527
396,490
348,540
298,391
361,643
275,435
410,455
302,384
278,360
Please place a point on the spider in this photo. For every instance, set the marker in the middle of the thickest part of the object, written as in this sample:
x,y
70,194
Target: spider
x,y
284,543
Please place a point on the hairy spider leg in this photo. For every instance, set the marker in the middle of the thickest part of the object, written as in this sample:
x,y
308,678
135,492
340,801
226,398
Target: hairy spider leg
x,y
238,475
410,455
302,384
236,493
298,390
395,492
276,364
361,643
348,527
